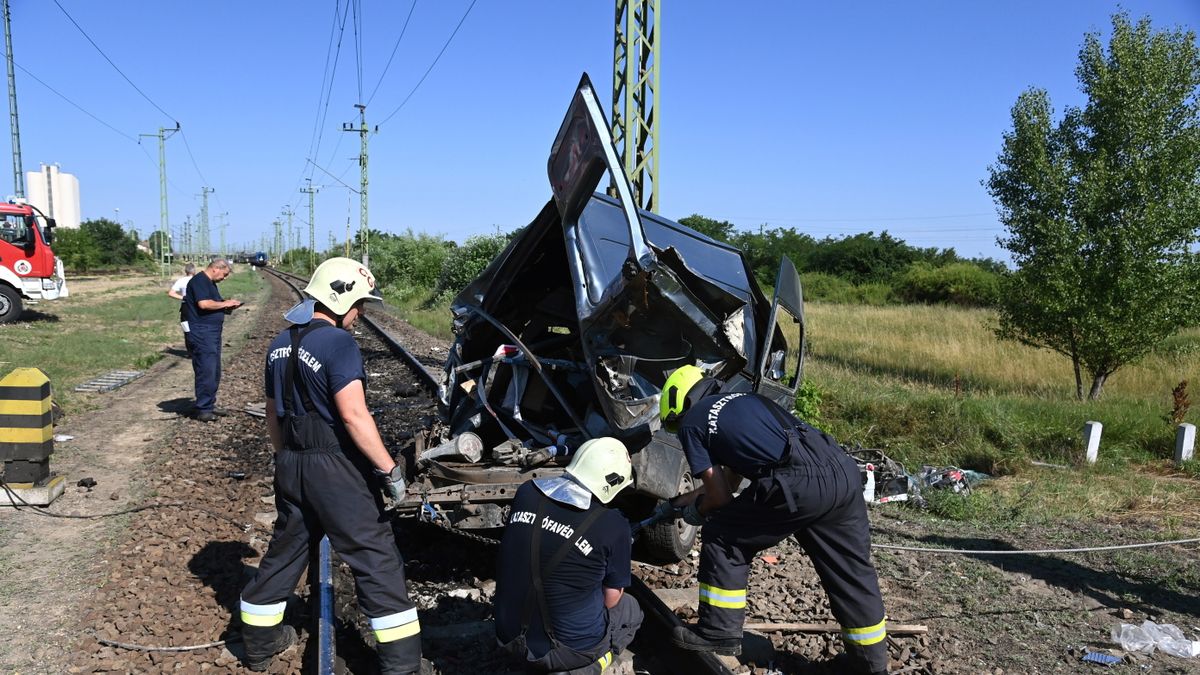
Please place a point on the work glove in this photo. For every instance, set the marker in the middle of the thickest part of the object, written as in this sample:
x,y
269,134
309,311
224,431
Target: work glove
x,y
691,514
393,482
665,511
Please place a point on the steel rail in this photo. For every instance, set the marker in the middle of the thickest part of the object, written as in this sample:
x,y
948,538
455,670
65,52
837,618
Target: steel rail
x,y
655,610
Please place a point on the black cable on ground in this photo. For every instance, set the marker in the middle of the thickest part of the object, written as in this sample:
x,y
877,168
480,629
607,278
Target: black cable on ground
x,y
41,511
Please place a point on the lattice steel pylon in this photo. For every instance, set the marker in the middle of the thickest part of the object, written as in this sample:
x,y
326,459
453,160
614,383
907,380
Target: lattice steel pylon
x,y
635,96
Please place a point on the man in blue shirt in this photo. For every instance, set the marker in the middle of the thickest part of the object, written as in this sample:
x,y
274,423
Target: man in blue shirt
x,y
330,464
802,485
564,565
204,313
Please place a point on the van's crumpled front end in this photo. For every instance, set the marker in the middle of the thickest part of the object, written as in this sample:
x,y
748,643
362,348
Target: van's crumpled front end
x,y
570,333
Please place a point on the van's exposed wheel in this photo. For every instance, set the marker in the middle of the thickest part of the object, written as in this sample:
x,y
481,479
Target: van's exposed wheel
x,y
671,541
10,304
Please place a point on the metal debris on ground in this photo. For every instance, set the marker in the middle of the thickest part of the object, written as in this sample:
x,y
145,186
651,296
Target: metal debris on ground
x,y
256,409
108,382
886,480
1101,658
88,483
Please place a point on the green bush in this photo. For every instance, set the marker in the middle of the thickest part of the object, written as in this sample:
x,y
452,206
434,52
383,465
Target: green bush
x,y
77,249
463,263
960,283
410,260
829,288
808,403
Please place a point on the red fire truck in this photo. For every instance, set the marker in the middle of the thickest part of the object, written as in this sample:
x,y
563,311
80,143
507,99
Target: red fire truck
x,y
29,271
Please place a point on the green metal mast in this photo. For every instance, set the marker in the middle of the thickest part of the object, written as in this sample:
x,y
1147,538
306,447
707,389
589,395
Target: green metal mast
x,y
312,227
291,234
164,227
14,123
635,96
205,232
363,132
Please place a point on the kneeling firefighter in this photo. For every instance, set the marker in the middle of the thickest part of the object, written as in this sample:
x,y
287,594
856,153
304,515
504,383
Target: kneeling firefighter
x,y
330,465
564,564
802,484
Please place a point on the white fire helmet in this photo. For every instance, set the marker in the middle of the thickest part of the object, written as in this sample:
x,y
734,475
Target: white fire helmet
x,y
338,283
602,466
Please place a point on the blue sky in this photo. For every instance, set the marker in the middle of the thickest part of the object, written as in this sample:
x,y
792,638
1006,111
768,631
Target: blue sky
x,y
832,118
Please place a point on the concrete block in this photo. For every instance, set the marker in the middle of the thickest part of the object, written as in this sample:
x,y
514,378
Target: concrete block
x,y
1185,442
1091,440
33,494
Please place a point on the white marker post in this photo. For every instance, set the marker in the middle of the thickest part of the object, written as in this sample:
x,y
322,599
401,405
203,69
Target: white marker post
x,y
1185,442
1091,440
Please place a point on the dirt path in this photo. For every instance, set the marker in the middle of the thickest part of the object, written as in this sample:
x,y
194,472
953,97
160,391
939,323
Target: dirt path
x,y
51,566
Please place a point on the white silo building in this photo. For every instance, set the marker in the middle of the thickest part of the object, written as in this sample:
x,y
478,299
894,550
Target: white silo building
x,y
55,193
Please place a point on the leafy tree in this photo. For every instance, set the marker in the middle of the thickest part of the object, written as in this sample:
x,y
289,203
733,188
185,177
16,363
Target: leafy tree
x,y
115,247
157,242
77,249
463,263
1101,207
721,230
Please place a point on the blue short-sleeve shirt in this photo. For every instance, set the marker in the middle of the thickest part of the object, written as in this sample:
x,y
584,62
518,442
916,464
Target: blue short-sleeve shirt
x,y
329,360
599,559
734,430
202,288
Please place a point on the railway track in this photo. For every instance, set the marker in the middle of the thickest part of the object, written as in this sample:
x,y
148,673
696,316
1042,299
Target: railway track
x,y
450,615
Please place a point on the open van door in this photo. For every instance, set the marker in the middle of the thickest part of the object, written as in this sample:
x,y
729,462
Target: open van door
x,y
782,364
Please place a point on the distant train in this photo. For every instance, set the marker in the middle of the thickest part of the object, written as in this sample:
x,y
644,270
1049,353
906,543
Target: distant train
x,y
260,259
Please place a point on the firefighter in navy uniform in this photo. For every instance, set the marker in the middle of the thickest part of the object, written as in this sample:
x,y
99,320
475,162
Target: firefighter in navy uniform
x,y
330,466
802,484
563,567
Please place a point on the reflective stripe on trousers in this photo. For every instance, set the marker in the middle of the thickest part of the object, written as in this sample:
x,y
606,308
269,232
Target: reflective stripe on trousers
x,y
396,626
262,615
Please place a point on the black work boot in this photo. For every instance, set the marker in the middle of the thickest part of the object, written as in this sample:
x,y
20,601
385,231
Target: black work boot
x,y
685,638
402,657
262,643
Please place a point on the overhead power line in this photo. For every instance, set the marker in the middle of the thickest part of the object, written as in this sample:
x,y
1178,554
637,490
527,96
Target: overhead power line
x,y
110,62
435,61
393,54
77,106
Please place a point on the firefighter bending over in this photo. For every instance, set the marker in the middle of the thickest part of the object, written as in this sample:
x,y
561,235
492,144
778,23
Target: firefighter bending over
x,y
802,484
329,460
563,567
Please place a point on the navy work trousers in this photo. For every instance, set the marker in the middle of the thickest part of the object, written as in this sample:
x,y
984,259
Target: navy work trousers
x,y
322,492
822,506
205,347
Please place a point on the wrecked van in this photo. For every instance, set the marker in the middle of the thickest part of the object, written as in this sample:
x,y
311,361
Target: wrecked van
x,y
571,331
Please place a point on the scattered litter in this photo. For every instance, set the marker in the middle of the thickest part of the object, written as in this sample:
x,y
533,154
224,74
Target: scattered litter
x,y
62,438
1150,636
769,559
88,482
237,475
110,381
256,409
1101,658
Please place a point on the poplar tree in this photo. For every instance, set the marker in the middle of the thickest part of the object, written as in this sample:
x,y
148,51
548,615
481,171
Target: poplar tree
x,y
1101,207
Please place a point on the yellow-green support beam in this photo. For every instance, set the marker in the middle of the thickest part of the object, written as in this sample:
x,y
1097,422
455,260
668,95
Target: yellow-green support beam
x,y
635,96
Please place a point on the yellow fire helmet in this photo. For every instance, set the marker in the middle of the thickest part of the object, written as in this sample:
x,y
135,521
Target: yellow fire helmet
x,y
672,402
338,283
602,466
